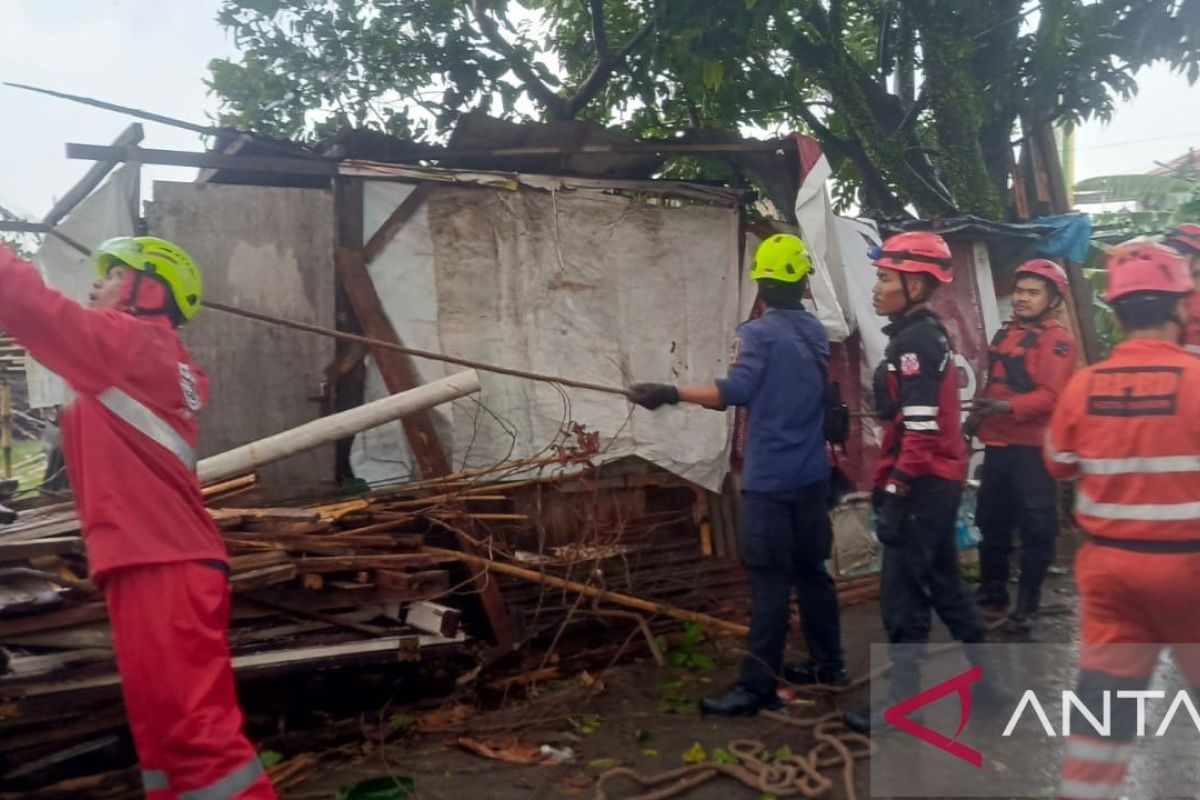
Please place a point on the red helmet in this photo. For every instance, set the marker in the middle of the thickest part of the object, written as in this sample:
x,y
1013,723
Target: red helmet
x,y
1048,270
1145,267
918,252
1185,237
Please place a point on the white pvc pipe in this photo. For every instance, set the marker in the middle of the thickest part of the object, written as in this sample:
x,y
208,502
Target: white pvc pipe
x,y
250,457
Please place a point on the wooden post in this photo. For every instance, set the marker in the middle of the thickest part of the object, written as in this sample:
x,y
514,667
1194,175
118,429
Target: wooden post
x,y
397,369
6,422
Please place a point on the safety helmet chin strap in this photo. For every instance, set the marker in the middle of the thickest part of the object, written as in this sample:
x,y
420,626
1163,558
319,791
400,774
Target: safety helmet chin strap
x,y
132,306
909,302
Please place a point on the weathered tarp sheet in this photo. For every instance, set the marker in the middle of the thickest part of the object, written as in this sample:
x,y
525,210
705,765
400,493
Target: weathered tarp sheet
x,y
583,285
105,213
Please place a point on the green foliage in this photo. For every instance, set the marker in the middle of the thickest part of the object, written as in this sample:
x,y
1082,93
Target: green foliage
x,y
585,725
270,758
686,654
673,698
909,99
19,245
388,788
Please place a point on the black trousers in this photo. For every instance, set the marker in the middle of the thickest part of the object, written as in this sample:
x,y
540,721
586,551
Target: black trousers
x,y
920,574
1016,491
786,538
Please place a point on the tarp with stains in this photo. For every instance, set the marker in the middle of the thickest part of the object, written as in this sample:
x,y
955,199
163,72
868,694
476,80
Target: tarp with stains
x,y
584,285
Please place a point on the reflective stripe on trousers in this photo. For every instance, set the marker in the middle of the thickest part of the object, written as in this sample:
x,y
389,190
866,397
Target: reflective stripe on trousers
x,y
149,424
229,787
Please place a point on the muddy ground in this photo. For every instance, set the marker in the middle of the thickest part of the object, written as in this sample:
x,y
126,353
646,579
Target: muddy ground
x,y
638,715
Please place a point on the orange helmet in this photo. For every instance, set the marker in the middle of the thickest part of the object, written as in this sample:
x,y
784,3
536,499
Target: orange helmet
x,y
1047,270
1184,238
1145,267
916,252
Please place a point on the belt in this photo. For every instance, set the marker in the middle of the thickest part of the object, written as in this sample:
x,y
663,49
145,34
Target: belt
x,y
1146,546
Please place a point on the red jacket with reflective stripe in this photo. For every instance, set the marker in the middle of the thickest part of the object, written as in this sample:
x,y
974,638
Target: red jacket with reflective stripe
x,y
1128,427
137,501
916,397
1028,365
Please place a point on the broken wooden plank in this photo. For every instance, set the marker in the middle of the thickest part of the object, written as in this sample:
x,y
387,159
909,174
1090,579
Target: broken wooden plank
x,y
89,612
704,620
36,548
129,137
267,576
395,221
360,562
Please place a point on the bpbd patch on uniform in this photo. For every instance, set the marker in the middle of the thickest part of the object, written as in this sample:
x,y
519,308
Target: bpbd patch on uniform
x,y
1134,392
1062,348
910,365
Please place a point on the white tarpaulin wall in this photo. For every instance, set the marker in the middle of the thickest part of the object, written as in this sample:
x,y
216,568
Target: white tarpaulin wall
x,y
580,284
107,212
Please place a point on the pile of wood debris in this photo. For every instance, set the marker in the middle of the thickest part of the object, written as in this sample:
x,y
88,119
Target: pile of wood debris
x,y
490,570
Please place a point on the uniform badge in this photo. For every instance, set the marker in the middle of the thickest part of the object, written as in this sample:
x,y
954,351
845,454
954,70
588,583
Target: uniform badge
x,y
1062,348
187,384
735,350
910,365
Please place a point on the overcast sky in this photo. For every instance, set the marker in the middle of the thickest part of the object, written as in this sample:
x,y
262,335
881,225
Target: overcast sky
x,y
153,54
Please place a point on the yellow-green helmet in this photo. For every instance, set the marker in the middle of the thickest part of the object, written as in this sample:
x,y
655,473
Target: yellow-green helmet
x,y
782,258
160,259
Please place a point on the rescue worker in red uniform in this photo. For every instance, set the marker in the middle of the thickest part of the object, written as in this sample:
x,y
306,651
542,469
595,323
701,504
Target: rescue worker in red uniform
x,y
1029,362
920,472
1127,428
129,436
1185,239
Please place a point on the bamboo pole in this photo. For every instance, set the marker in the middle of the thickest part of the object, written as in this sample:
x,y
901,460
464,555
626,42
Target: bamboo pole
x,y
650,607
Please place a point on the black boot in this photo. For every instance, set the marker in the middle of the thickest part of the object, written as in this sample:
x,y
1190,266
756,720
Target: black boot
x,y
992,597
905,682
739,702
1029,596
991,691
811,673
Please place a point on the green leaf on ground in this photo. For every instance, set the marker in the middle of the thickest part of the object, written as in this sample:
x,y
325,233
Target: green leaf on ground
x,y
388,788
695,754
723,756
402,723
270,758
604,764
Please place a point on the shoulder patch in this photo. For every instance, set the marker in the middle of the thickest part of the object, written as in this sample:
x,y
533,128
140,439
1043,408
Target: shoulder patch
x,y
187,384
1062,348
910,365
735,350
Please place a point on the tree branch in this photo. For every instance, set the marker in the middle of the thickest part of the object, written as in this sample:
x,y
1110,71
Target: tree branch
x,y
852,149
599,32
520,66
604,69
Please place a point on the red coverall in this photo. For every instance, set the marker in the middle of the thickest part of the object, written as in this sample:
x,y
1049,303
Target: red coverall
x,y
128,438
1128,429
1028,365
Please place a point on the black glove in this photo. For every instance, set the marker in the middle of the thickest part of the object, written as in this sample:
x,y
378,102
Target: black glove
x,y
972,425
653,395
890,511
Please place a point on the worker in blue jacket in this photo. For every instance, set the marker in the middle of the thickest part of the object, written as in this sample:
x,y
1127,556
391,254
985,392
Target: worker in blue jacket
x,y
777,373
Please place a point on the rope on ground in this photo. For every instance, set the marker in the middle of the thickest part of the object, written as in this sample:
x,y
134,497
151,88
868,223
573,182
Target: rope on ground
x,y
789,776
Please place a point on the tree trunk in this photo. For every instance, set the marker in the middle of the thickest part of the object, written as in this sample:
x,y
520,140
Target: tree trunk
x,y
952,96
